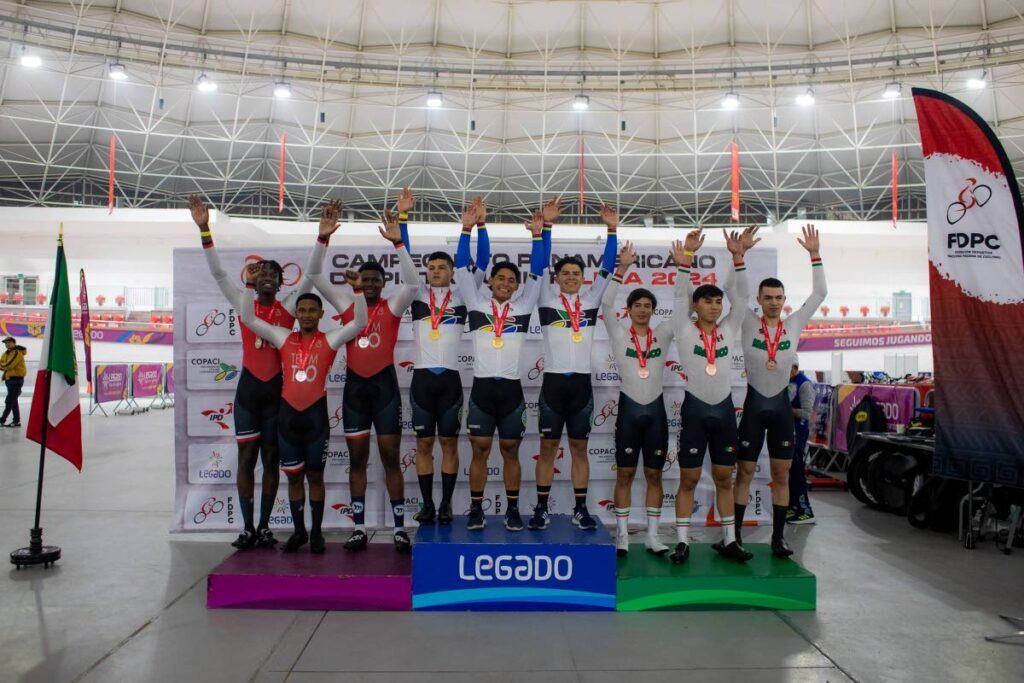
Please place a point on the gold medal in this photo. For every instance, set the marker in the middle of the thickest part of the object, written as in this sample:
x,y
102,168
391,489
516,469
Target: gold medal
x,y
644,373
435,334
577,337
497,342
711,369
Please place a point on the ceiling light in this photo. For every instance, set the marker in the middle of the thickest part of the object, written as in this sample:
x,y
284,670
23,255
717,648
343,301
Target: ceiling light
x,y
204,84
806,98
30,60
977,83
435,98
731,100
117,71
581,102
892,90
282,90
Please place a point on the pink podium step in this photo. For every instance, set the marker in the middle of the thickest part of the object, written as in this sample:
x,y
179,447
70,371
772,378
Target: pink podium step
x,y
378,578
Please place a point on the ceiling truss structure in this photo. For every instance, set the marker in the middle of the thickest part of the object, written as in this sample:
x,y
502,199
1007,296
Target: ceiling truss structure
x,y
654,142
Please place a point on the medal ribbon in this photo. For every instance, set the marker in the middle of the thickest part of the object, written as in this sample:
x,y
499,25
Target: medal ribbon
x,y
435,321
641,357
499,321
263,313
574,317
709,345
374,314
772,346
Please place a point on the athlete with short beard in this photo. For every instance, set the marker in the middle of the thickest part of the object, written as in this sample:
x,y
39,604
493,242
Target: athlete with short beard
x,y
258,395
306,357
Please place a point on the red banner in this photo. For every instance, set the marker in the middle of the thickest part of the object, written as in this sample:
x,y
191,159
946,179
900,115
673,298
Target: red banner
x,y
110,180
895,187
976,275
86,327
582,175
735,182
280,178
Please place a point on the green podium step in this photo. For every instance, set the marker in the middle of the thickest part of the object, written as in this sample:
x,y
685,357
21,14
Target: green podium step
x,y
709,582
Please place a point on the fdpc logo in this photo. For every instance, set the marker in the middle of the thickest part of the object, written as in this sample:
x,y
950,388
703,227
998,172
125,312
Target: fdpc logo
x,y
213,506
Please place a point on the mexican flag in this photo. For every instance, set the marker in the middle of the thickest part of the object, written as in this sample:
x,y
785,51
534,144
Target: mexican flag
x,y
57,377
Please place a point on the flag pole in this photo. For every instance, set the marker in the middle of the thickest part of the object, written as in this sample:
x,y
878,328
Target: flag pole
x,y
36,552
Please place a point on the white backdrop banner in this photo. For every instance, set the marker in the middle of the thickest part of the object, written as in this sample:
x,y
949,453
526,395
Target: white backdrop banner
x,y
208,360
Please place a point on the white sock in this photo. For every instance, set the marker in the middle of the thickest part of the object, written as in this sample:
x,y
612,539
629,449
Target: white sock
x,y
683,530
653,518
728,530
361,527
622,521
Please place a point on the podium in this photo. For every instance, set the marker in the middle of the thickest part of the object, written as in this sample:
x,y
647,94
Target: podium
x,y
378,578
561,568
707,581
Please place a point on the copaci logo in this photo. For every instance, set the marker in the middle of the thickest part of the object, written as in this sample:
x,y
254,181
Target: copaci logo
x,y
516,568
218,415
227,372
609,410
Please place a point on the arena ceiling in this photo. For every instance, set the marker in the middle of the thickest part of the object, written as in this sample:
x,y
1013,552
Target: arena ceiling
x,y
654,140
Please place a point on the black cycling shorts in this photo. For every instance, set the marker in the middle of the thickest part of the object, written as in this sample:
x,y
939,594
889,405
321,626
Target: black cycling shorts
x,y
256,408
566,401
303,437
372,401
436,402
707,427
767,416
496,403
641,429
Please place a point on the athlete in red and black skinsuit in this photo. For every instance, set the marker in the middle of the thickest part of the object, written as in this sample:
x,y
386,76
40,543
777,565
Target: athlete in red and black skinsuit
x,y
259,385
371,397
306,359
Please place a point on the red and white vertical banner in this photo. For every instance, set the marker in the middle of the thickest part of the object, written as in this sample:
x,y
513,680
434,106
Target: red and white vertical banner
x,y
735,182
582,175
110,179
85,324
280,178
895,187
976,277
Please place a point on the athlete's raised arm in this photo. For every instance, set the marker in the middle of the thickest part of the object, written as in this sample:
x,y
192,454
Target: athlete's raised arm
x,y
737,287
328,225
627,257
339,336
812,243
400,300
201,216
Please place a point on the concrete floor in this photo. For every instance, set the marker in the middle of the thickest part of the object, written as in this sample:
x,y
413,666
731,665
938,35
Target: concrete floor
x,y
127,602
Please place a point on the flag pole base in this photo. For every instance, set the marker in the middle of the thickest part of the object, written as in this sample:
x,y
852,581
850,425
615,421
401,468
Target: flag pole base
x,y
36,552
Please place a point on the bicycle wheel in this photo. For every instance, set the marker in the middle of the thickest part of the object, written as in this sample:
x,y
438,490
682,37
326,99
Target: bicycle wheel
x,y
955,211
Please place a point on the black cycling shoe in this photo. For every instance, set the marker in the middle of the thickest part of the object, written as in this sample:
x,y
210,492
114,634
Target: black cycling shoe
x,y
540,519
476,519
680,554
734,551
357,541
581,518
444,513
317,544
513,521
245,540
402,542
265,538
426,515
780,548
296,541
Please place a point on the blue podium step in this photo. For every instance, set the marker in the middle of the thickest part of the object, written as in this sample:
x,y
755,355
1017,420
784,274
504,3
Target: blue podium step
x,y
561,568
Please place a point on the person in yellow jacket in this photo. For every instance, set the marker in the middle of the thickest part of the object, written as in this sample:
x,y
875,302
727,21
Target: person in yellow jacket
x,y
12,363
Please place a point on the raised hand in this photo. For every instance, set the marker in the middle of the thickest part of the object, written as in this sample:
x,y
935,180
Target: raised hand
x,y
200,212
747,238
694,240
609,216
481,209
469,215
679,253
733,242
536,224
552,210
353,278
329,216
627,257
390,230
811,242
252,271
405,201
